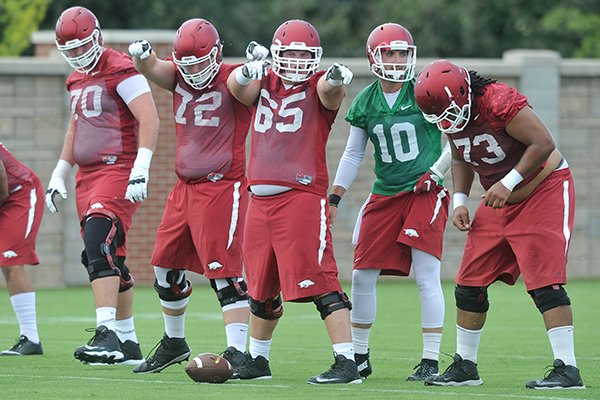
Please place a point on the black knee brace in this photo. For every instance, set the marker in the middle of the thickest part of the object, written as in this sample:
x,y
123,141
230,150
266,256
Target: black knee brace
x,y
549,297
100,236
235,291
332,302
472,298
271,309
180,288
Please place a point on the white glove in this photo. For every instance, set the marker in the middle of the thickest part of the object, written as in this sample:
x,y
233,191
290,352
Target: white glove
x,y
252,70
256,52
137,188
256,69
57,184
338,74
140,48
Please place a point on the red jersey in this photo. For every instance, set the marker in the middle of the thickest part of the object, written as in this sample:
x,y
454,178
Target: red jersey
x,y
17,173
211,127
289,136
105,130
484,142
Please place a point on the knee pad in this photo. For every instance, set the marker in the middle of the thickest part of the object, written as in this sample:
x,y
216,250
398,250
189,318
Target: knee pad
x,y
126,278
100,235
271,309
234,291
549,297
332,302
472,298
180,287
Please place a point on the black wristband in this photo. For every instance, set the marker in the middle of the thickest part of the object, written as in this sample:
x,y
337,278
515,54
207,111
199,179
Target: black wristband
x,y
334,200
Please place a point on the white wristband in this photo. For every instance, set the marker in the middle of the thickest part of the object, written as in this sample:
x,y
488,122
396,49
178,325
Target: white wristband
x,y
241,78
512,179
62,168
459,199
144,156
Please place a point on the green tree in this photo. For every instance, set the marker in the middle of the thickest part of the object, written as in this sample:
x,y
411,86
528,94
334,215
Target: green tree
x,y
18,20
441,28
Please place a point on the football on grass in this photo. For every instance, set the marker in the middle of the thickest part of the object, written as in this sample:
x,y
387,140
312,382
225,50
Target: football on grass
x,y
209,368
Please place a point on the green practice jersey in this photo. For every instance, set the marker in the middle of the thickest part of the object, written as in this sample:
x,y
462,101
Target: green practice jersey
x,y
405,145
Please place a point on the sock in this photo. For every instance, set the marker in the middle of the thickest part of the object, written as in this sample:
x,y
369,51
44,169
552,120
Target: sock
x,y
24,306
561,340
125,330
260,347
467,343
106,316
431,345
175,325
237,334
360,339
344,349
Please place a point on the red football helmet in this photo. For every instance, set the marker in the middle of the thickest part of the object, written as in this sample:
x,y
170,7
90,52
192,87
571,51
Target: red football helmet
x,y
391,37
197,52
296,35
443,93
79,39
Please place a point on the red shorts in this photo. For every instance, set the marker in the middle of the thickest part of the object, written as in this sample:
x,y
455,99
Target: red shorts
x,y
530,238
20,218
106,188
287,247
202,228
390,226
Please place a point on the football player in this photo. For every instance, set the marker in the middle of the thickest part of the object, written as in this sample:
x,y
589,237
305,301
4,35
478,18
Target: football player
x,y
203,221
287,249
21,209
111,138
401,224
523,223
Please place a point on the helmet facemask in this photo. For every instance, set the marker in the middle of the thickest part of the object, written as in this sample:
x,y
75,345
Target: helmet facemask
x,y
393,71
454,118
87,61
202,78
295,69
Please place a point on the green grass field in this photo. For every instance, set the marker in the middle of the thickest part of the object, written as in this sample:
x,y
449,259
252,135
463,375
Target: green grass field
x,y
514,349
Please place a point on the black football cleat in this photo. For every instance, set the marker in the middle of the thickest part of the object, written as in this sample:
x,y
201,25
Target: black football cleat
x,y
459,373
363,363
103,348
343,370
234,356
423,370
561,376
24,347
132,353
253,368
169,351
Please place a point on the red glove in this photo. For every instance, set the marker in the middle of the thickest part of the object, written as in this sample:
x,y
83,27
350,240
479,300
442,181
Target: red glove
x,y
426,182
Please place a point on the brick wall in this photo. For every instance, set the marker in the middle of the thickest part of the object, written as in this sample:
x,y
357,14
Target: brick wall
x,y
34,115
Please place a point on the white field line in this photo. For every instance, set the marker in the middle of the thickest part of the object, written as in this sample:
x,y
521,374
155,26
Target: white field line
x,y
439,392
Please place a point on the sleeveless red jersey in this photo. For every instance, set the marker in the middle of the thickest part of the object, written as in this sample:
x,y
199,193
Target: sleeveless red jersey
x,y
484,142
105,130
289,136
211,127
17,173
